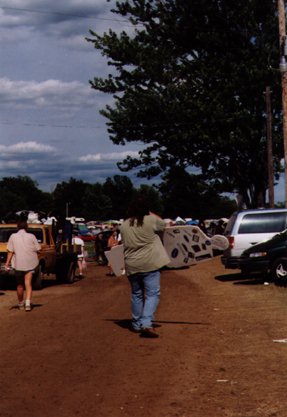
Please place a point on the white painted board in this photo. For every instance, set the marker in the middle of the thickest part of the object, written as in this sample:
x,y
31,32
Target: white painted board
x,y
115,257
185,245
188,244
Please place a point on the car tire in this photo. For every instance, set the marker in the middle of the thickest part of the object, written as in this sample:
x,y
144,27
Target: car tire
x,y
71,273
37,279
279,270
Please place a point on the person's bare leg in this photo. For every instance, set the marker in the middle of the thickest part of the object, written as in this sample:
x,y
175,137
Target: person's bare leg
x,y
28,287
80,266
20,293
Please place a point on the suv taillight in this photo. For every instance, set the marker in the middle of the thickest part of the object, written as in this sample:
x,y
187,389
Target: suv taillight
x,y
231,242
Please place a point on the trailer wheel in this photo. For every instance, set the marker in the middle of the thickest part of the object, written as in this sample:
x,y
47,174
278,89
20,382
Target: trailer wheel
x,y
38,279
71,273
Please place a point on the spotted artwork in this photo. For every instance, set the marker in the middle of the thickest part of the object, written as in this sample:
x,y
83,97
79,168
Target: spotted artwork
x,y
187,245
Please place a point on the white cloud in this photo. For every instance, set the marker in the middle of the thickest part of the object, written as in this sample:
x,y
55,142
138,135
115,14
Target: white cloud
x,y
41,163
51,128
117,156
26,147
47,94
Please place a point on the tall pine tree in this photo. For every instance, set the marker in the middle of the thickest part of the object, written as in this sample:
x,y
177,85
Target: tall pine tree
x,y
188,86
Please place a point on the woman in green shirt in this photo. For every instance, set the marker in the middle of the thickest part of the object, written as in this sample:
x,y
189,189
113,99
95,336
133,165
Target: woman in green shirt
x,y
144,257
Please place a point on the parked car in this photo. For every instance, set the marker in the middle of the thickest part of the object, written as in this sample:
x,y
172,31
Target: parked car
x,y
267,257
248,227
83,231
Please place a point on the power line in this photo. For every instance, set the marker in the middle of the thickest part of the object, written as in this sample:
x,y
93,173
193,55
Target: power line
x,y
50,125
62,14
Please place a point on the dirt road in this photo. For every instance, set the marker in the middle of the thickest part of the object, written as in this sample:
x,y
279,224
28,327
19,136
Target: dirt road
x,y
73,355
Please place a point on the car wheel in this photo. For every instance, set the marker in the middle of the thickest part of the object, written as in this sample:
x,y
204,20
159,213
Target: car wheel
x,y
71,274
279,270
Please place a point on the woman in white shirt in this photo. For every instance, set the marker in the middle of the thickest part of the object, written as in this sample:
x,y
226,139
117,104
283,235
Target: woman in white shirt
x,y
81,259
22,250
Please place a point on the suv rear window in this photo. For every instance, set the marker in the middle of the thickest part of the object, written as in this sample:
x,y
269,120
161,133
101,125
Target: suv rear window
x,y
7,232
263,223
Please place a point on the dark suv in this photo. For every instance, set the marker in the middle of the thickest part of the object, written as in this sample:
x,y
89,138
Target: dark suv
x,y
269,256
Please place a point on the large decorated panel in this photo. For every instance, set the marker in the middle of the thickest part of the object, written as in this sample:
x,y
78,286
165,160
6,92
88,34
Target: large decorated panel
x,y
185,246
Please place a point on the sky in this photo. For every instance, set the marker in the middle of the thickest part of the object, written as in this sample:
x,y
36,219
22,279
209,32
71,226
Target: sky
x,y
50,126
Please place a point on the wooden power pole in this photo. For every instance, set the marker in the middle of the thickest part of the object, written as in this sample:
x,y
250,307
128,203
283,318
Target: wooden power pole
x,y
269,148
283,70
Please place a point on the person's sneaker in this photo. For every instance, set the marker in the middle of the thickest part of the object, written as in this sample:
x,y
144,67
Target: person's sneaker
x,y
21,306
135,330
149,332
28,307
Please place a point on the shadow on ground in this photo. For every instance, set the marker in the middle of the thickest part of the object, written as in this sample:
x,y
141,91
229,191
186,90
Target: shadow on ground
x,y
244,279
127,323
15,307
8,283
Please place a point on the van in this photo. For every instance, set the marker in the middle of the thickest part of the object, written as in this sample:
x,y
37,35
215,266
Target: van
x,y
248,227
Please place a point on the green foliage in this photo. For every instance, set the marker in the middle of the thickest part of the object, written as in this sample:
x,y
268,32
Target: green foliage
x,y
154,198
68,197
188,85
188,195
22,193
96,204
180,194
120,190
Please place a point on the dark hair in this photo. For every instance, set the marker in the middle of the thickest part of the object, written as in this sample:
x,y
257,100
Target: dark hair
x,y
22,224
139,207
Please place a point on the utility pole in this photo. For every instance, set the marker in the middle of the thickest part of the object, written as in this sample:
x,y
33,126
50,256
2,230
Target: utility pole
x,y
67,209
269,148
283,70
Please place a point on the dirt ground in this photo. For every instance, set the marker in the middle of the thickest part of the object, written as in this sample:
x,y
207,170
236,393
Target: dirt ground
x,y
73,355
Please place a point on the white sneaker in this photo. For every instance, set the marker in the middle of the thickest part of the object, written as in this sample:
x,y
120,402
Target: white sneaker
x,y
21,306
28,307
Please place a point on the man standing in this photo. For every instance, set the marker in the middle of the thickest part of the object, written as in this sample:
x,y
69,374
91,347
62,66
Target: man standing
x,y
144,256
23,248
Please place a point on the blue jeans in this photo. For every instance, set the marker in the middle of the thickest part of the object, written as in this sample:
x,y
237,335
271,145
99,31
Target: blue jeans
x,y
145,298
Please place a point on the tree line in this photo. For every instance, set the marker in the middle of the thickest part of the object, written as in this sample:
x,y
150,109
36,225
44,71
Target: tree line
x,y
182,195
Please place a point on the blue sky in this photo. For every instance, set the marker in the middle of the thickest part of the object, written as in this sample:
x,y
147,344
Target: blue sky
x,y
50,125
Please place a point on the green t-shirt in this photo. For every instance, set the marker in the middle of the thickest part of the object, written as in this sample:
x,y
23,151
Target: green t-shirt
x,y
143,249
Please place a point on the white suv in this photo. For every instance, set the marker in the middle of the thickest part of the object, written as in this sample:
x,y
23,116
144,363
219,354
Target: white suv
x,y
247,227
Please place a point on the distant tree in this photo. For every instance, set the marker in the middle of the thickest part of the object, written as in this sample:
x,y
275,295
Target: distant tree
x,y
68,196
10,203
120,190
188,195
22,193
96,204
188,85
154,198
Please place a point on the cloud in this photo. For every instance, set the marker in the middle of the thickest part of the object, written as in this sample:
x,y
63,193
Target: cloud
x,y
56,19
41,163
108,156
25,147
53,94
51,128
